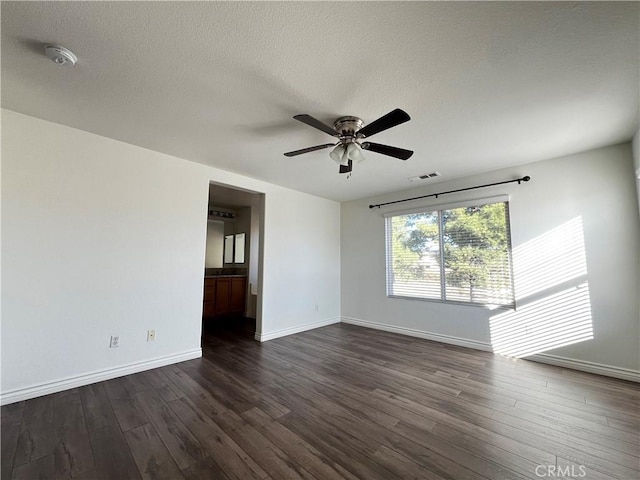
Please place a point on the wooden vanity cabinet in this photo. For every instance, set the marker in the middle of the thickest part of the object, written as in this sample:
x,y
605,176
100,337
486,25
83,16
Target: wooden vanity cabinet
x,y
223,291
209,301
224,296
237,295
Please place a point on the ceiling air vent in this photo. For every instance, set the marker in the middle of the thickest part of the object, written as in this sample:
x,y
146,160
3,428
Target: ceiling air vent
x,y
425,176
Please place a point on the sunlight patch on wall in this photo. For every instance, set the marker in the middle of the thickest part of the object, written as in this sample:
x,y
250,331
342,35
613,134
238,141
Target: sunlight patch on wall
x,y
552,295
550,259
551,322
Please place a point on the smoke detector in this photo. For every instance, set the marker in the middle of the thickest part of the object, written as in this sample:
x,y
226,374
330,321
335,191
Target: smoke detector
x,y
60,55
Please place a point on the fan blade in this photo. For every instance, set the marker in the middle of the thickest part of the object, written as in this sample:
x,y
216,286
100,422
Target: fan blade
x,y
307,150
396,152
315,123
391,119
346,168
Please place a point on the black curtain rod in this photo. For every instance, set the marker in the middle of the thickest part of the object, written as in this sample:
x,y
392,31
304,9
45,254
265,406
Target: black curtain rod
x,y
526,178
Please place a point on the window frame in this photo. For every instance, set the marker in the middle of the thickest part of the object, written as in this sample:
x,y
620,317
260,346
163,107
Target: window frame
x,y
438,208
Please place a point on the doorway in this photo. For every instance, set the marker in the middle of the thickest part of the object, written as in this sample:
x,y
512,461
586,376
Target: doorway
x,y
233,261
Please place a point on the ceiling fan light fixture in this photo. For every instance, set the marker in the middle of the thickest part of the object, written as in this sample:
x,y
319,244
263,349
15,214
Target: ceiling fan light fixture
x,y
337,154
354,151
345,158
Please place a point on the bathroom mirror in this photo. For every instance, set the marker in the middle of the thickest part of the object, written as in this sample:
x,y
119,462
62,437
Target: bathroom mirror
x,y
239,248
228,248
234,248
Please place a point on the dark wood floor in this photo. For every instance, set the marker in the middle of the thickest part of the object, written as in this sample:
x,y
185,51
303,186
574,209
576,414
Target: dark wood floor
x,y
337,402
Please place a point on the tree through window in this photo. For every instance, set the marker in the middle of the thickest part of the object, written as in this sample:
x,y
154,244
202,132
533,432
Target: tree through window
x,y
460,254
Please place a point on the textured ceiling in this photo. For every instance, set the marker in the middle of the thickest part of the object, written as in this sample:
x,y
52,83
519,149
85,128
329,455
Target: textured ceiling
x,y
487,84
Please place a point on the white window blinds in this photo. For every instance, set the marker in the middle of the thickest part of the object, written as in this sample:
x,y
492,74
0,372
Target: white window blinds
x,y
460,254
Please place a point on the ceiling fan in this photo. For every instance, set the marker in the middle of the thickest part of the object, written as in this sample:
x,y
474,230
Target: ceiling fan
x,y
352,133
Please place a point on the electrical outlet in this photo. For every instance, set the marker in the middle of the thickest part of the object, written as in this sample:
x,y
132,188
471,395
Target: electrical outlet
x,y
115,341
151,335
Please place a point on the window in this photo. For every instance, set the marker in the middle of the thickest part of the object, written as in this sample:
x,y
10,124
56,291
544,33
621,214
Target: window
x,y
460,254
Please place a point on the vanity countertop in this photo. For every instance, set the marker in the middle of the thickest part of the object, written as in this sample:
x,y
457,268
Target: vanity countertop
x,y
223,276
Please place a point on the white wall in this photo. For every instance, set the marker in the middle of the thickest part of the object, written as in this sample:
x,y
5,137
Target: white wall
x,y
102,238
215,244
254,256
308,236
597,186
636,162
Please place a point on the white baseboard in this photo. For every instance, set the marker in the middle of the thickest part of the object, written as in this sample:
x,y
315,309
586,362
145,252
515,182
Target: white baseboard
x,y
573,364
589,367
34,391
263,337
462,342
